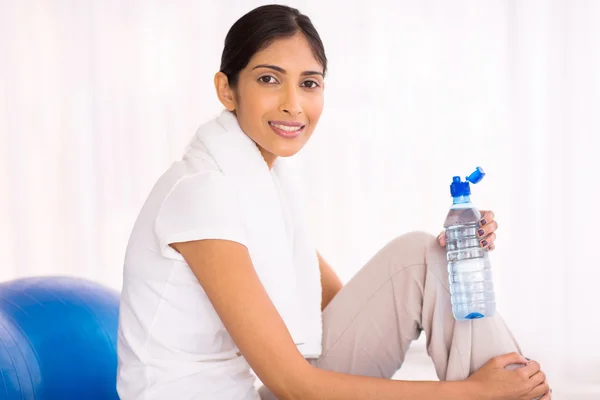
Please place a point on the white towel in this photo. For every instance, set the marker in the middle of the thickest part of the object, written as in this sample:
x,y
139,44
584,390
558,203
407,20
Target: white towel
x,y
281,250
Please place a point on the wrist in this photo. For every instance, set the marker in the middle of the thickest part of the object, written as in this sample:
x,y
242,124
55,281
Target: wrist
x,y
463,390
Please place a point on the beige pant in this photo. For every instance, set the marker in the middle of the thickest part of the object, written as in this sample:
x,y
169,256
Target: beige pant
x,y
402,290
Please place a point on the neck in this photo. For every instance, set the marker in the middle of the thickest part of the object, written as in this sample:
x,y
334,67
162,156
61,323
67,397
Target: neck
x,y
462,200
268,157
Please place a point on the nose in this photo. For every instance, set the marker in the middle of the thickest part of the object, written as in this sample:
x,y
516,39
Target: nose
x,y
290,102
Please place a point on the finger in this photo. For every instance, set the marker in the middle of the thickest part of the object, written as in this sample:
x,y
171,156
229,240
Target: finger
x,y
530,369
487,241
507,359
487,229
491,247
540,390
537,379
547,396
441,239
486,217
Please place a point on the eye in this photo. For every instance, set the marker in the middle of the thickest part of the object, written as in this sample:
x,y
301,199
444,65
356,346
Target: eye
x,y
310,84
268,79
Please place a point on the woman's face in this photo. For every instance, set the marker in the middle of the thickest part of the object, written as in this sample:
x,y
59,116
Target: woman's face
x,y
279,97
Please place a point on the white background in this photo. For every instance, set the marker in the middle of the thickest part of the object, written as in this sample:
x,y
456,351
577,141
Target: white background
x,y
97,98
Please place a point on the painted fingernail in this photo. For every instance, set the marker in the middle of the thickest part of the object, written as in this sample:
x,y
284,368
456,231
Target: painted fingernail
x,y
483,222
491,247
484,243
481,232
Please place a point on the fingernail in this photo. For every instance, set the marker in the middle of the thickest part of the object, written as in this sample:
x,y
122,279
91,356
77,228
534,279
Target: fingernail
x,y
483,222
491,247
484,243
481,232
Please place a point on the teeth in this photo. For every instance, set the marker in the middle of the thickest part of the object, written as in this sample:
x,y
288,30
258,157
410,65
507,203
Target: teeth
x,y
287,128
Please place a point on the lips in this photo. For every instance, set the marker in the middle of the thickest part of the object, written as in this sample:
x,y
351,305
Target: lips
x,y
287,123
287,129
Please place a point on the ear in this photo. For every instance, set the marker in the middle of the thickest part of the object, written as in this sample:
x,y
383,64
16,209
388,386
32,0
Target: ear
x,y
225,93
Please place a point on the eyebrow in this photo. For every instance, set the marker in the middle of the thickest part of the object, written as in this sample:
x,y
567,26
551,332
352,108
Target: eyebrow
x,y
283,71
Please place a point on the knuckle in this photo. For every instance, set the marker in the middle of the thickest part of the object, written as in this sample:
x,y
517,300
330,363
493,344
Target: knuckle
x,y
497,361
545,388
523,375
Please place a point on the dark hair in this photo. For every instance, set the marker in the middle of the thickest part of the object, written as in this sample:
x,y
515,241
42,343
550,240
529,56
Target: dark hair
x,y
258,29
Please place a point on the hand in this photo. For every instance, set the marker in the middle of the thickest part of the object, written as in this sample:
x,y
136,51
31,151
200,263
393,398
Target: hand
x,y
486,232
493,382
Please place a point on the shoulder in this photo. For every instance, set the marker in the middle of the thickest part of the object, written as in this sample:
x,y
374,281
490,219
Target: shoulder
x,y
204,192
194,176
201,205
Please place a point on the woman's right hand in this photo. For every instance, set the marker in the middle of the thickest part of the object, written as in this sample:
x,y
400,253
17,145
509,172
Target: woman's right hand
x,y
494,382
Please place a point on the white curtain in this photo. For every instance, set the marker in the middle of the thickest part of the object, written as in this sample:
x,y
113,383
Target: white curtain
x,y
97,98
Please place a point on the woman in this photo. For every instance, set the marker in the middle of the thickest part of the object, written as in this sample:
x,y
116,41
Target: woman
x,y
220,276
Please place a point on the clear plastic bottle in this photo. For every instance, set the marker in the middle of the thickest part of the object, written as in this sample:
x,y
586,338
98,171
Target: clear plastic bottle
x,y
469,269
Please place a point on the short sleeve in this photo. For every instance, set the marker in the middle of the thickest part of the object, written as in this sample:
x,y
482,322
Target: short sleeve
x,y
201,206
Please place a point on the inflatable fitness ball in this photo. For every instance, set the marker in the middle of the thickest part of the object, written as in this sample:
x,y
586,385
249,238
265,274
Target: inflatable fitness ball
x,y
58,339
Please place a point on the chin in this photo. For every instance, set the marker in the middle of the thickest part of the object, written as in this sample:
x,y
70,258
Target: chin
x,y
288,149
287,152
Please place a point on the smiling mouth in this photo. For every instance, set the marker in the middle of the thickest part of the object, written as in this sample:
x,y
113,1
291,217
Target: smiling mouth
x,y
287,130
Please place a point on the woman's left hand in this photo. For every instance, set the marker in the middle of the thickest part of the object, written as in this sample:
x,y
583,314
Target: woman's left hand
x,y
486,232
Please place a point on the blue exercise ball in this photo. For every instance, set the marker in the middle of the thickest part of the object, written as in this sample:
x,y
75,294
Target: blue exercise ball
x,y
58,338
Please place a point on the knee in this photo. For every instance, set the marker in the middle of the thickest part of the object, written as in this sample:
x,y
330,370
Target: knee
x,y
416,241
419,248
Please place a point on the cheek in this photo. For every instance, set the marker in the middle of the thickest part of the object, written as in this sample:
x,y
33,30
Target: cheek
x,y
314,108
256,100
265,100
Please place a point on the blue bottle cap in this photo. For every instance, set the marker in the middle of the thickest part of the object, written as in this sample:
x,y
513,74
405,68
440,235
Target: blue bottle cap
x,y
476,176
461,189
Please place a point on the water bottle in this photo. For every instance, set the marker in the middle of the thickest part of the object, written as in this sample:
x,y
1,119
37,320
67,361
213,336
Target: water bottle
x,y
469,270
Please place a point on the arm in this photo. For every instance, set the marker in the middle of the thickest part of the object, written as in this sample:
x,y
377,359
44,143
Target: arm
x,y
225,271
330,282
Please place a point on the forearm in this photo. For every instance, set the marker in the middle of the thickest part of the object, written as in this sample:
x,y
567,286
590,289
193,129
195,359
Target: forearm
x,y
327,385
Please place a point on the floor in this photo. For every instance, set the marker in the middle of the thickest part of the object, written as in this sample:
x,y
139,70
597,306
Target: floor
x,y
418,366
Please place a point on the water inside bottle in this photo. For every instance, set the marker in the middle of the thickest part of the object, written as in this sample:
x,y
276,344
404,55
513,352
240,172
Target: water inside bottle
x,y
469,271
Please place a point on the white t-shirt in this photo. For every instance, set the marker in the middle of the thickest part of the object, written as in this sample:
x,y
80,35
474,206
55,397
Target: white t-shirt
x,y
171,343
